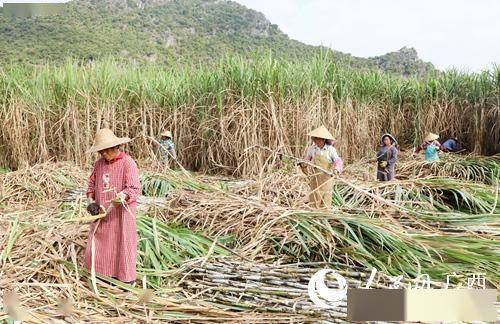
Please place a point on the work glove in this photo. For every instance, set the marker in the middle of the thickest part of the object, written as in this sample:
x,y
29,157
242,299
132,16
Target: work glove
x,y
303,168
120,199
383,164
94,209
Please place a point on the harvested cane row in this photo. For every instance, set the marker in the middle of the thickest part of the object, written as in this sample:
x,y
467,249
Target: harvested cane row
x,y
471,168
38,183
325,236
465,167
260,226
263,224
426,194
42,281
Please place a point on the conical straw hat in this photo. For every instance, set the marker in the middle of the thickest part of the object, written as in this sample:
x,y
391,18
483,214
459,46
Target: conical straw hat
x,y
105,138
167,134
393,139
431,137
321,132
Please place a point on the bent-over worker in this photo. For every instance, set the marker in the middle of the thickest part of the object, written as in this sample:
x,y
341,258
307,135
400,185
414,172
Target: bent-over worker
x,y
452,145
321,153
114,180
431,147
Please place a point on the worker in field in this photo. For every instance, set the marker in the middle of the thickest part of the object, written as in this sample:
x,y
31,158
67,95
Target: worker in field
x,y
452,145
167,148
113,189
387,156
431,147
323,154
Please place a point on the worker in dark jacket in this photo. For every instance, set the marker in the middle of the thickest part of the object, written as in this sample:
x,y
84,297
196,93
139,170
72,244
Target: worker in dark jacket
x,y
387,156
452,145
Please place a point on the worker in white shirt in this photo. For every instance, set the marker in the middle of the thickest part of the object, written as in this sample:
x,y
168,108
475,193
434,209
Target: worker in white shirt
x,y
322,153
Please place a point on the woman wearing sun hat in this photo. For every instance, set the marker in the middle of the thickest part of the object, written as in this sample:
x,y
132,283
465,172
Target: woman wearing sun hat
x,y
431,146
321,153
114,181
387,156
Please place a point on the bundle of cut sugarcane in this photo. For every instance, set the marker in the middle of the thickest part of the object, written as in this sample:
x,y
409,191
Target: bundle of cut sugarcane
x,y
73,194
273,287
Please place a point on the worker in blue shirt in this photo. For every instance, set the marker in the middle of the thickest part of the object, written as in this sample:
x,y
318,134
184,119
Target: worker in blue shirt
x,y
167,149
452,145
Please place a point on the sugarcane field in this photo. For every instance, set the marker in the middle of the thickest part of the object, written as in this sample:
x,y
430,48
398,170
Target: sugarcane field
x,y
229,226
188,162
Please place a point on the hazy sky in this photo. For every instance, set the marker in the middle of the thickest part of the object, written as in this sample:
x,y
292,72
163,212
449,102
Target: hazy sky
x,y
459,33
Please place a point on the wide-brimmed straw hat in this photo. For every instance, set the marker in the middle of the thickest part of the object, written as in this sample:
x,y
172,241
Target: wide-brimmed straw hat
x,y
167,134
431,137
321,132
105,138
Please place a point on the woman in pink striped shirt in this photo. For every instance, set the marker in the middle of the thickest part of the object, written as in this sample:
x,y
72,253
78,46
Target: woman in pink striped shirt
x,y
113,184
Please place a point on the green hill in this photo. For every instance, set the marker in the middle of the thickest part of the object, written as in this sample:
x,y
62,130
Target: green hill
x,y
165,31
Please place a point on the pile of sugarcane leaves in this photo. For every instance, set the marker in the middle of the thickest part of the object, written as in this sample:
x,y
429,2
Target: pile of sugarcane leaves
x,y
214,249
